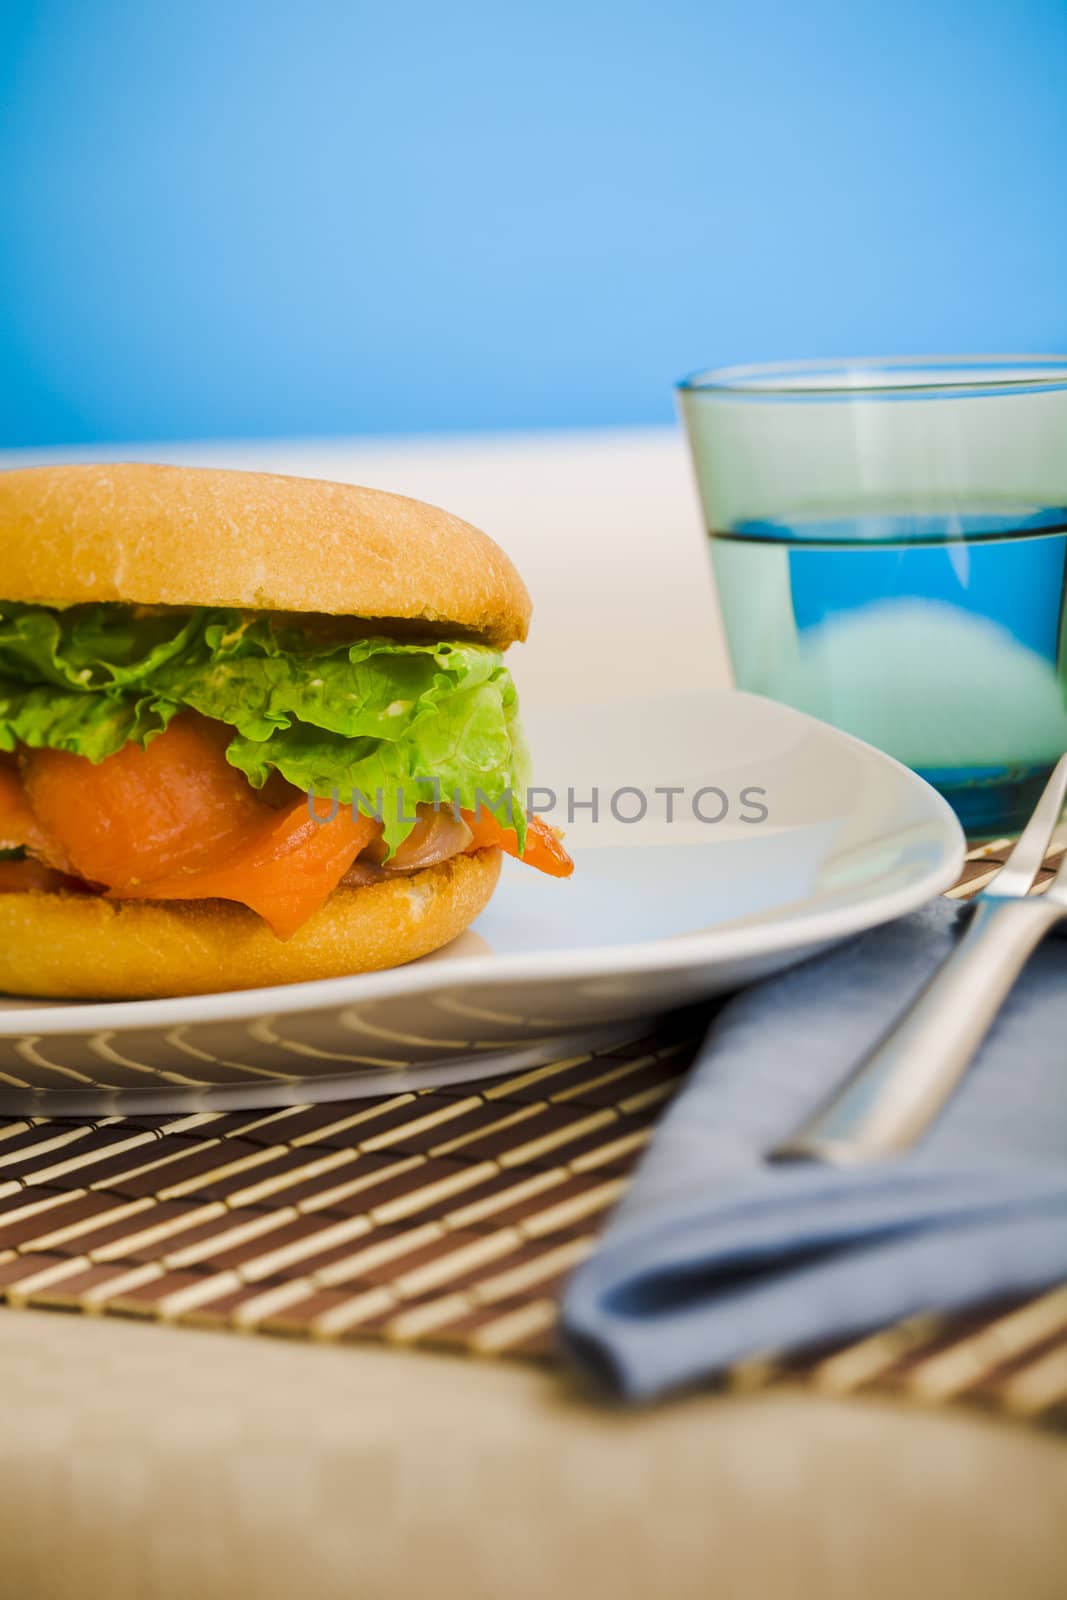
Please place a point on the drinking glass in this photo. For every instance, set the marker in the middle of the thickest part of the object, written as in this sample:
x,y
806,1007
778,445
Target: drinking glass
x,y
889,542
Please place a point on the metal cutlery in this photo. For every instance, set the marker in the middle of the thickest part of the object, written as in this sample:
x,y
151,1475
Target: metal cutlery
x,y
899,1087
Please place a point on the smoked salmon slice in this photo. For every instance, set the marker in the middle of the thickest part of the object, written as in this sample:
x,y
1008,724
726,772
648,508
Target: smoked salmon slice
x,y
175,821
17,821
285,869
143,814
543,848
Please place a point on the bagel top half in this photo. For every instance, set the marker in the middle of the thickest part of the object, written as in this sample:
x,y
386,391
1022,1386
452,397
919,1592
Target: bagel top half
x,y
196,536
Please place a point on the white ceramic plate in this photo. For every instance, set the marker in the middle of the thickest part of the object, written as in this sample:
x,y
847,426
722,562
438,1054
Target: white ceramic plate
x,y
658,914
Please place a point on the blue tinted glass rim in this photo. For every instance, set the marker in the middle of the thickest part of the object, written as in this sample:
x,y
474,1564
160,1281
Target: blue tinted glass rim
x,y
881,378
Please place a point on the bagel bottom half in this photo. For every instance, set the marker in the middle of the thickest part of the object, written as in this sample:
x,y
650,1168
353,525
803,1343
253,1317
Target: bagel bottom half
x,y
82,947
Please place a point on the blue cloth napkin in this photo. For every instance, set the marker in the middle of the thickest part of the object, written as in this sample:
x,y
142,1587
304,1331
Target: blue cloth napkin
x,y
716,1255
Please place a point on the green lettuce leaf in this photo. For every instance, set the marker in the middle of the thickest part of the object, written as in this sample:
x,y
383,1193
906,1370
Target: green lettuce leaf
x,y
91,647
373,688
93,725
371,718
467,750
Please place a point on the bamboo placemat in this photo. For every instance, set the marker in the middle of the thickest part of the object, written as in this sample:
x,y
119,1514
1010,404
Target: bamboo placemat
x,y
449,1217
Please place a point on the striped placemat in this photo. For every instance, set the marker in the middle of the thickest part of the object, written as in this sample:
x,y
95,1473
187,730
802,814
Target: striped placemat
x,y
449,1217
452,1214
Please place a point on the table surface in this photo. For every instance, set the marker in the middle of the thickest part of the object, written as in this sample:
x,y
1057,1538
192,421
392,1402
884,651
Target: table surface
x,y
150,1462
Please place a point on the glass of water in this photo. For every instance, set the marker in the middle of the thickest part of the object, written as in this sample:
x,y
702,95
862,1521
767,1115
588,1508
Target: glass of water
x,y
889,541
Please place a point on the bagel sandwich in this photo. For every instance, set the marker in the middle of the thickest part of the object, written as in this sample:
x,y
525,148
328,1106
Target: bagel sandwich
x,y
253,730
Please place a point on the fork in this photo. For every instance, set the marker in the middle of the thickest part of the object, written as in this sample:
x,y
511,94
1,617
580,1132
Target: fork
x,y
899,1087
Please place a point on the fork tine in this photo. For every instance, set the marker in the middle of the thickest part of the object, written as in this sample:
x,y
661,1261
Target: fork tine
x,y
1017,875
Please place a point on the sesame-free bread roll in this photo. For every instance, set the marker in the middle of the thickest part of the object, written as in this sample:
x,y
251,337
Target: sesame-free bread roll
x,y
192,536
83,947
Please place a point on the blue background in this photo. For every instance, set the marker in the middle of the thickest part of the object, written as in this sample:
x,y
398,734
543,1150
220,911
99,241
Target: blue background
x,y
246,218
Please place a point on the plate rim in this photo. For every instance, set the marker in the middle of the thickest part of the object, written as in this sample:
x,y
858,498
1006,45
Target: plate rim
x,y
668,954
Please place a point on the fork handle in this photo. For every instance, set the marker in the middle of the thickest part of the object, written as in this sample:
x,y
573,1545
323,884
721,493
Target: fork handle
x,y
898,1089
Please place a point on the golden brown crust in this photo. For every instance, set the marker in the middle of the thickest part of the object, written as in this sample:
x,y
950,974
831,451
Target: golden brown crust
x,y
183,536
82,947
